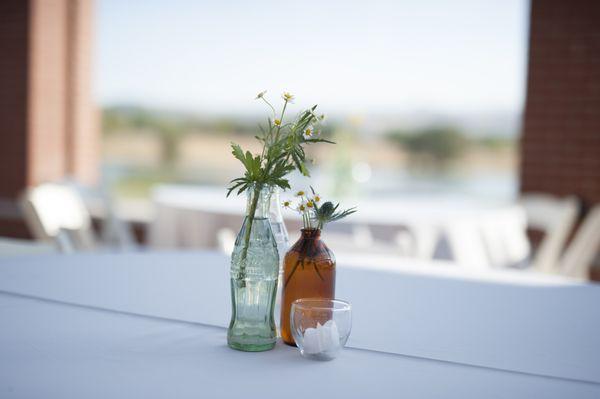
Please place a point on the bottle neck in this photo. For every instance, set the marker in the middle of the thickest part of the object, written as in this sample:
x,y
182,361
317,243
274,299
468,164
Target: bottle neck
x,y
311,234
275,208
260,200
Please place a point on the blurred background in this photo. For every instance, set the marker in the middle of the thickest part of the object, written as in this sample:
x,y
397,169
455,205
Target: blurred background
x,y
466,131
422,97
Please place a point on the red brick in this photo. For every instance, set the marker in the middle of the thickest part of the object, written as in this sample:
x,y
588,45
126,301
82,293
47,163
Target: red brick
x,y
560,143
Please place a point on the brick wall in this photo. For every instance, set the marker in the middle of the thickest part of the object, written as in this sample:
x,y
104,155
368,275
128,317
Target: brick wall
x,y
14,36
47,107
48,123
83,134
560,146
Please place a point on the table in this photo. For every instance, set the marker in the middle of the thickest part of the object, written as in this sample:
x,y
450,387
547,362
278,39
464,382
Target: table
x,y
152,325
190,216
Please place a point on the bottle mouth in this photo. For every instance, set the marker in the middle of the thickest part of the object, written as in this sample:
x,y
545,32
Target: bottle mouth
x,y
312,232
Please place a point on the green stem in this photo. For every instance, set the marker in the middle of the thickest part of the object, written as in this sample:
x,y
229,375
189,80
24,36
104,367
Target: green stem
x,y
251,213
280,121
269,104
269,163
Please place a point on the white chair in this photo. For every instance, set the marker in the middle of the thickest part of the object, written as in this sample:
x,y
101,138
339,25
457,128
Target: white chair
x,y
505,238
55,213
466,245
555,217
115,232
580,254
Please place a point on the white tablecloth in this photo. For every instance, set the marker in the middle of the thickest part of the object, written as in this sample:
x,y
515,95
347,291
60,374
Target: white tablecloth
x,y
151,325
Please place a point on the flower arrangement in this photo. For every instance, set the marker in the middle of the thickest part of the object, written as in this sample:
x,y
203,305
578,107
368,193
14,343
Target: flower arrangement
x,y
282,152
314,215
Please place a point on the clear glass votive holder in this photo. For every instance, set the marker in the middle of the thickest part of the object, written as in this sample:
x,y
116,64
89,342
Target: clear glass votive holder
x,y
320,327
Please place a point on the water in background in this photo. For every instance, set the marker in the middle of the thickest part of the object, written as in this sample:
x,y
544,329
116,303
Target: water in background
x,y
486,186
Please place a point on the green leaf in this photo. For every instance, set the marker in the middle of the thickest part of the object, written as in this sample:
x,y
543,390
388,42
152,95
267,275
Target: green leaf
x,y
327,213
303,169
242,189
238,153
282,152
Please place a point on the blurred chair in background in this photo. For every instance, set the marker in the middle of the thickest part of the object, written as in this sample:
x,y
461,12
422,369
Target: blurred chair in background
x,y
418,241
344,237
555,217
57,213
505,238
470,234
580,254
114,232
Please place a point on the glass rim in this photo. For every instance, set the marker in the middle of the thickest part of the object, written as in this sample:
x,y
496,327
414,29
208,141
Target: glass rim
x,y
303,303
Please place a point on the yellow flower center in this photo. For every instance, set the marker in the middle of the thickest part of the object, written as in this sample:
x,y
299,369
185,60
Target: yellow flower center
x,y
309,204
277,122
300,193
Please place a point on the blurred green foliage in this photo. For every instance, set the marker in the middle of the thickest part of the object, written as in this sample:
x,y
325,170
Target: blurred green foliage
x,y
437,146
170,127
118,119
121,118
496,143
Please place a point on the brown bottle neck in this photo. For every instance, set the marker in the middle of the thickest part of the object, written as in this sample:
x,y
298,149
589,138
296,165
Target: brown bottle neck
x,y
311,234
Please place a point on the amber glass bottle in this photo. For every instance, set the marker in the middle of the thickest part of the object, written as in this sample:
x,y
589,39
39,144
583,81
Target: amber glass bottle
x,y
308,272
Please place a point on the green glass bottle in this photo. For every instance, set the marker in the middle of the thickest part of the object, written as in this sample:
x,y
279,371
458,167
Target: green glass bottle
x,y
254,274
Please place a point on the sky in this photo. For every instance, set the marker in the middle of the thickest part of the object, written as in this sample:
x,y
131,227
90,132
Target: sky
x,y
373,56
